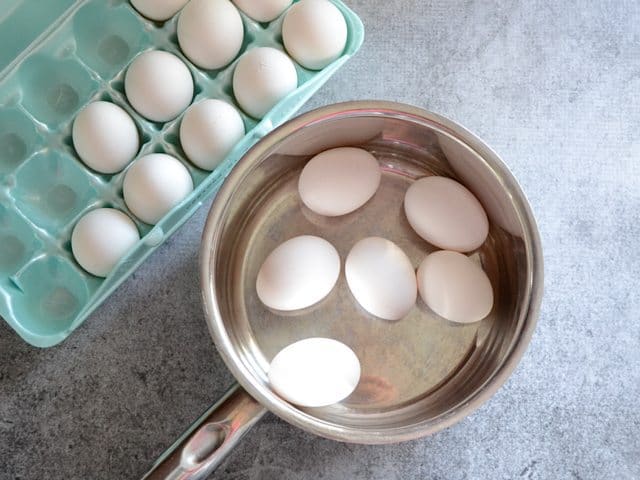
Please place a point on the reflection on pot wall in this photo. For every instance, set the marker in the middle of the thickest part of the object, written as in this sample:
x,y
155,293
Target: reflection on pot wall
x,y
310,141
481,181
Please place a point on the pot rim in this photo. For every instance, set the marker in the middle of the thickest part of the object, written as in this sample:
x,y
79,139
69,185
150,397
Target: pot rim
x,y
303,419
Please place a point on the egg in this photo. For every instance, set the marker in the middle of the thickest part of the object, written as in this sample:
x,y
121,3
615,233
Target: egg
x,y
210,32
101,238
263,77
298,273
339,181
315,372
314,33
208,132
105,137
158,10
158,85
446,214
455,287
381,278
263,10
154,184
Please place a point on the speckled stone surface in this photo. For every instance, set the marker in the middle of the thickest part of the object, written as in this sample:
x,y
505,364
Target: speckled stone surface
x,y
554,87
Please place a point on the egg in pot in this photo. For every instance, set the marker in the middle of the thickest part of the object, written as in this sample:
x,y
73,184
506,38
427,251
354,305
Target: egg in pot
x,y
315,372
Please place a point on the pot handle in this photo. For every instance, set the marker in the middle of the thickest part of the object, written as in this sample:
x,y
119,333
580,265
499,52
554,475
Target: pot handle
x,y
197,453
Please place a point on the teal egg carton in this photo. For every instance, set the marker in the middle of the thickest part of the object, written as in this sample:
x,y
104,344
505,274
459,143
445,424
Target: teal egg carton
x,y
56,56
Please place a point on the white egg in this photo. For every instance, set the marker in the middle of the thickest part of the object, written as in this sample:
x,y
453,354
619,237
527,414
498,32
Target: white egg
x,y
101,238
381,278
263,10
154,184
446,214
210,32
105,137
208,132
158,85
339,181
314,32
158,10
315,372
262,78
455,287
298,273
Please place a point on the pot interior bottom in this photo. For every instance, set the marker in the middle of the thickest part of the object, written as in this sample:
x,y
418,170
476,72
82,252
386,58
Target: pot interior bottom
x,y
422,362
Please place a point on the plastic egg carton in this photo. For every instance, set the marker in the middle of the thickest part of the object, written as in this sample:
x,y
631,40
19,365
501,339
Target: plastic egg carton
x,y
56,57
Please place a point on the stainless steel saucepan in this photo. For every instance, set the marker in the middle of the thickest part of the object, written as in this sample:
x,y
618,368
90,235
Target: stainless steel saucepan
x,y
420,374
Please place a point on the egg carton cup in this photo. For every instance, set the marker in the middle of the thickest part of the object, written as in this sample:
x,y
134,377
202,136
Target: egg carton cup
x,y
51,69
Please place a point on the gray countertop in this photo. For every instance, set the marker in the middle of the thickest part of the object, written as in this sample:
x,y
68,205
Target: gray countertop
x,y
554,87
